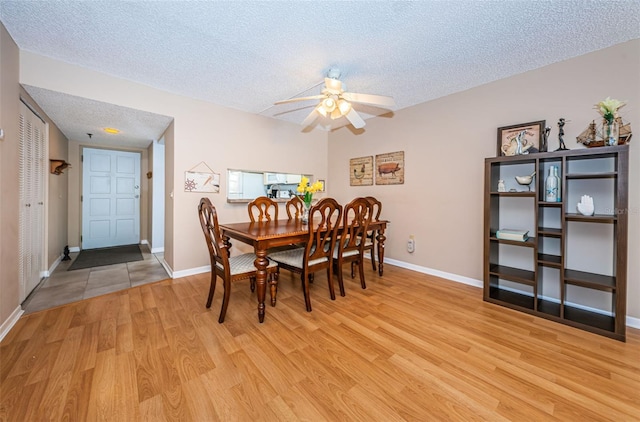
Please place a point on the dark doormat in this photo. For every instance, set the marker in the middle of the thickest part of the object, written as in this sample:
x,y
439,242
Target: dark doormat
x,y
88,258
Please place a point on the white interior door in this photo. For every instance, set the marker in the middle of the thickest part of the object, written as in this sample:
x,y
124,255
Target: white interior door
x,y
33,150
110,198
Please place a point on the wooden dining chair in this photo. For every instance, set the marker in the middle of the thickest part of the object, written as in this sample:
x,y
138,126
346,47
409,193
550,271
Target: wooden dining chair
x,y
262,209
324,221
350,247
295,208
370,242
229,269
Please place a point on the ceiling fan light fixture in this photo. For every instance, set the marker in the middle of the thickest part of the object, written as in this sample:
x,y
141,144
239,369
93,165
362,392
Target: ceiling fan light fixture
x,y
344,106
322,110
329,104
335,114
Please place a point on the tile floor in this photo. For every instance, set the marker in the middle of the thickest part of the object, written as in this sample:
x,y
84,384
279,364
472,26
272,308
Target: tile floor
x,y
64,286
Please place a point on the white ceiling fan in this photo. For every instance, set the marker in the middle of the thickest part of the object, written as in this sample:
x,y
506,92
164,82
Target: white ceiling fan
x,y
336,103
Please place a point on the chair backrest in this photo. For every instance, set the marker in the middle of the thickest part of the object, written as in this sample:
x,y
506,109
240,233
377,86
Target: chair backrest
x,y
376,208
356,218
263,209
295,208
324,222
218,252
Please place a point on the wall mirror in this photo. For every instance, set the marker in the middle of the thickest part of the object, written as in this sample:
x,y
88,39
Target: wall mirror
x,y
247,185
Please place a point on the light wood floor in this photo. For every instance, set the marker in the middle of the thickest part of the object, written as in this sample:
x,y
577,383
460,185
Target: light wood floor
x,y
410,347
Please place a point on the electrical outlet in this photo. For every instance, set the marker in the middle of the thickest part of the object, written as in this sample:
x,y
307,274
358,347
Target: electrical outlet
x,y
411,244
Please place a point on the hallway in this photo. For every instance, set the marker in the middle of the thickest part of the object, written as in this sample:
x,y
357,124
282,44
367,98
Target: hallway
x,y
64,286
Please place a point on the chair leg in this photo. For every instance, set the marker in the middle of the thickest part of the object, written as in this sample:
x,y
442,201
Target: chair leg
x,y
338,270
361,271
353,266
212,289
305,290
332,291
340,281
373,253
225,301
252,284
273,286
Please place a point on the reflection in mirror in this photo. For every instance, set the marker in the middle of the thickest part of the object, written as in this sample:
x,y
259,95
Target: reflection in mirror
x,y
245,186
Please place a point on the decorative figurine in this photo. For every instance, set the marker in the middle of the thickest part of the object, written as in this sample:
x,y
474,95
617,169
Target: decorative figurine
x,y
66,254
585,206
525,180
545,139
501,186
563,147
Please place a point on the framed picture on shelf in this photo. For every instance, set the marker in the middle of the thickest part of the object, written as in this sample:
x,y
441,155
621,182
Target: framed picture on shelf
x,y
530,134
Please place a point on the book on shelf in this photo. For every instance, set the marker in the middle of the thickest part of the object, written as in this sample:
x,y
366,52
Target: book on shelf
x,y
513,234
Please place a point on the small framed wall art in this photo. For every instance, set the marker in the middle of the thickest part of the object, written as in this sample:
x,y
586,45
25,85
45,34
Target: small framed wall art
x,y
201,181
390,168
361,171
521,138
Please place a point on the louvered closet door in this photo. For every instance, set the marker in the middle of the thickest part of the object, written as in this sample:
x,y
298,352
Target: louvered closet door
x,y
32,189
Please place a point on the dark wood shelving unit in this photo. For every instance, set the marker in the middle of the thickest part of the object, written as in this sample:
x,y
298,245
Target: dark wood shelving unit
x,y
527,289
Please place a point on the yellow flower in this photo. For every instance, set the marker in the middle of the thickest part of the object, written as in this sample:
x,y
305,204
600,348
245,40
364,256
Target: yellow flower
x,y
306,191
609,107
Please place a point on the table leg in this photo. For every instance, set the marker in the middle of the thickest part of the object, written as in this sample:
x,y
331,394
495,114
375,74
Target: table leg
x,y
381,238
261,263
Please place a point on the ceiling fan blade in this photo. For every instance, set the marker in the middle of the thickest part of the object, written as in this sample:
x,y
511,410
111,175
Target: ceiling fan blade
x,y
369,99
308,121
291,100
333,84
355,119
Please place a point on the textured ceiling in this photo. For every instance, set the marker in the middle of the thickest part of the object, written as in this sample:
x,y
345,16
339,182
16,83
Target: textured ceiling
x,y
247,55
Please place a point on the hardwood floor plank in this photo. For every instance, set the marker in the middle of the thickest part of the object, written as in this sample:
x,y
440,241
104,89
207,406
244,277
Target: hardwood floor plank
x,y
152,410
197,398
155,372
410,347
78,397
102,400
192,359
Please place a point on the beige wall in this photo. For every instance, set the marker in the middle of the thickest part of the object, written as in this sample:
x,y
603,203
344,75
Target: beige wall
x,y
75,190
446,140
9,194
222,137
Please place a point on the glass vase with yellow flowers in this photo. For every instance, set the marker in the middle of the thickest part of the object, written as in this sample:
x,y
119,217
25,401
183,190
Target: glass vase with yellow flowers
x,y
305,192
608,109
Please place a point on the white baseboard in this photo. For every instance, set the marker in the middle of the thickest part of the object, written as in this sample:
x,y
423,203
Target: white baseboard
x,y
192,271
74,248
54,265
10,322
633,322
449,276
157,250
144,242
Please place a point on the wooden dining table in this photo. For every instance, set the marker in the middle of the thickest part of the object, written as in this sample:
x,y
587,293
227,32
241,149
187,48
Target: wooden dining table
x,y
269,234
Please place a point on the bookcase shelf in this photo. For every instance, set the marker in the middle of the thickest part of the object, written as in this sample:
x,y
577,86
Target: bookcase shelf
x,y
570,256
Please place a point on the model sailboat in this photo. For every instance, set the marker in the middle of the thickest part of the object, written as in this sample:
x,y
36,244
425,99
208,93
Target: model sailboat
x,y
592,135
